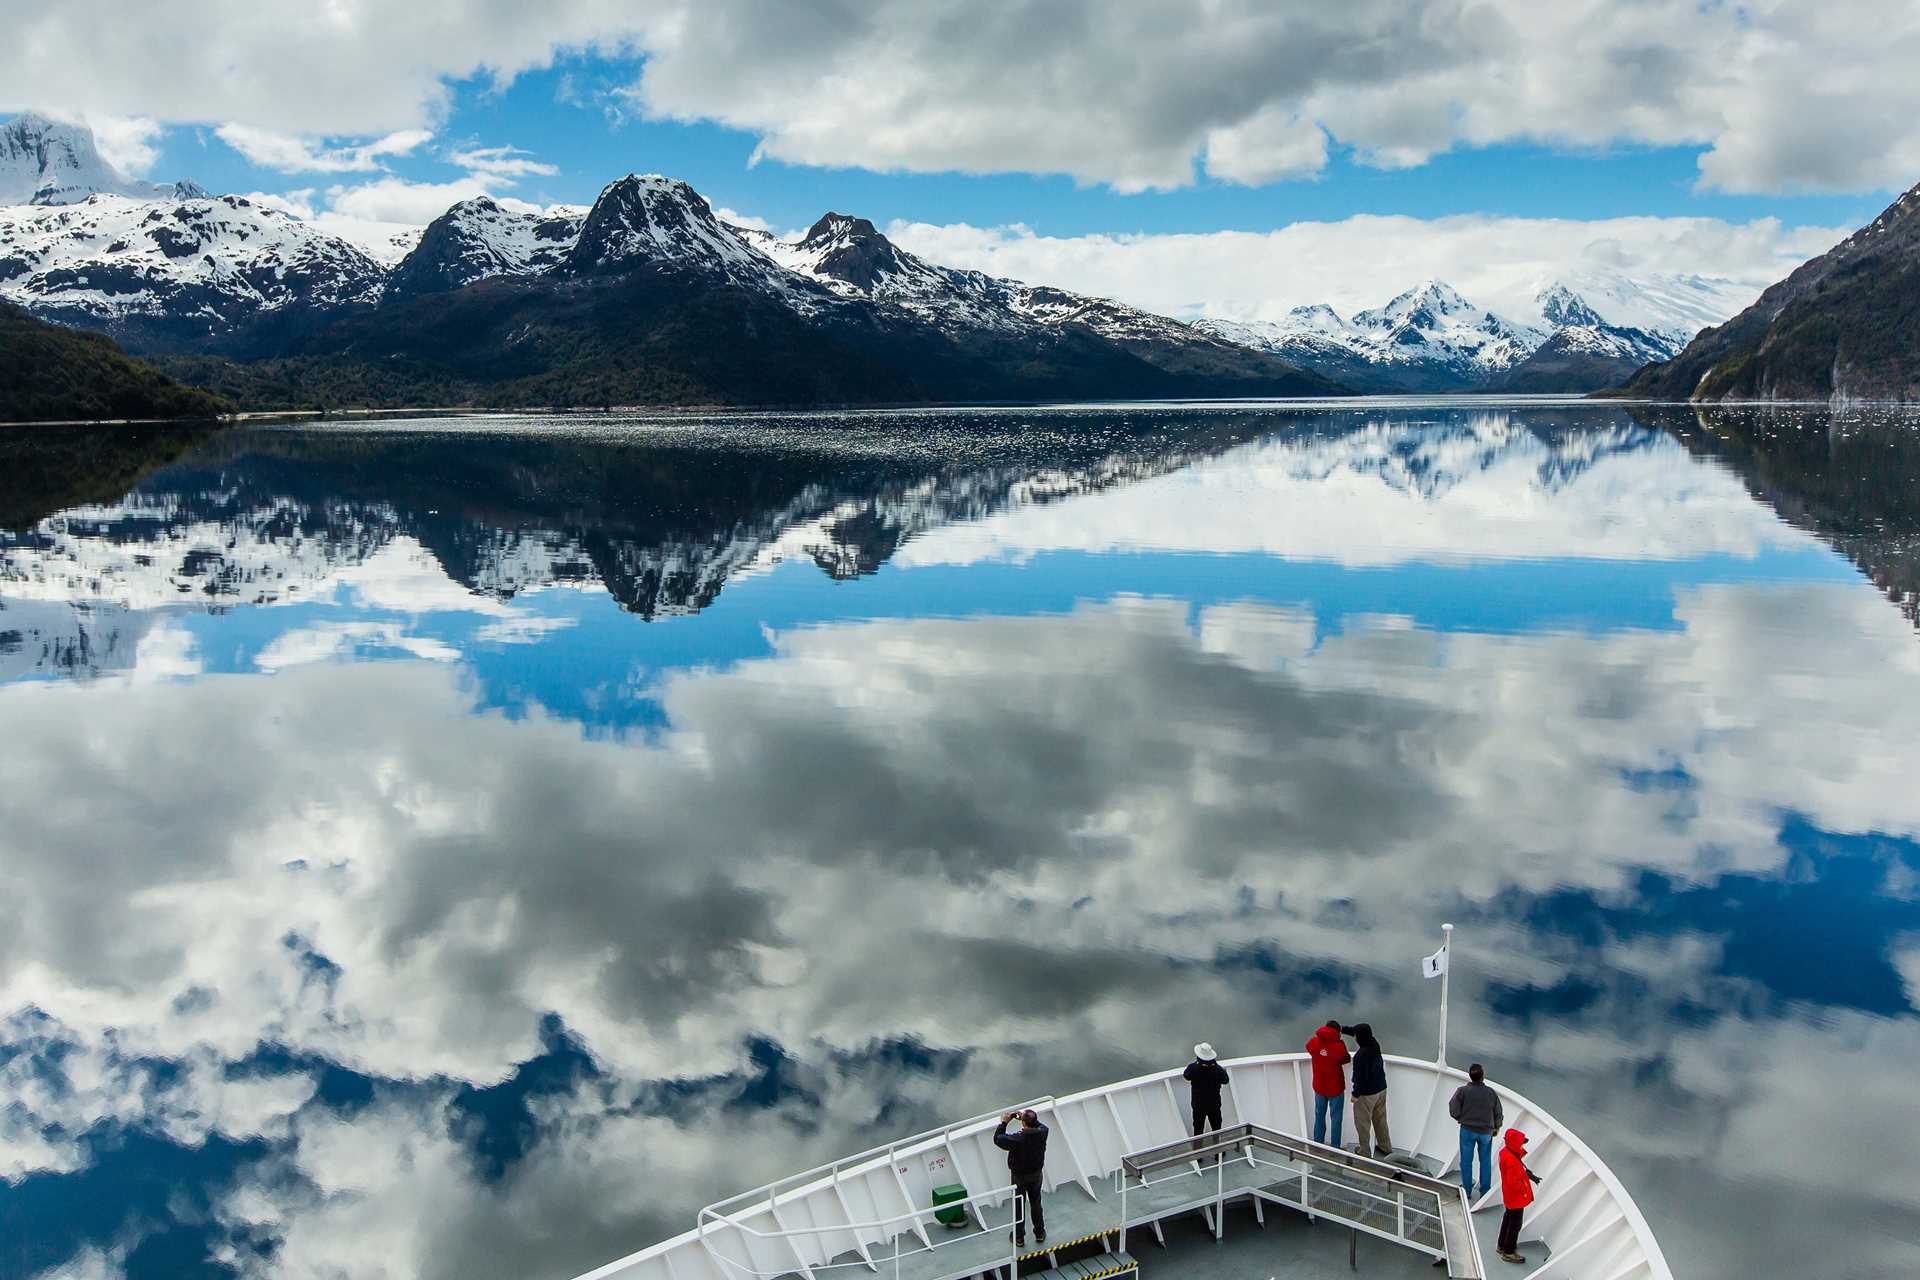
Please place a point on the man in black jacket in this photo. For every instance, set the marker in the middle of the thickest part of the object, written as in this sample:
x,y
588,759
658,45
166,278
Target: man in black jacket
x,y
1205,1076
1026,1151
1369,1093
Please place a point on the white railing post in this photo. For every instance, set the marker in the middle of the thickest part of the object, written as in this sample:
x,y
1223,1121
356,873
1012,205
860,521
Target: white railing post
x,y
1219,1194
1400,1214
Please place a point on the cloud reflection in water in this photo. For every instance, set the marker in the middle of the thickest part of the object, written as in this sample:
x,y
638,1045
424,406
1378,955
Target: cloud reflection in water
x,y
397,979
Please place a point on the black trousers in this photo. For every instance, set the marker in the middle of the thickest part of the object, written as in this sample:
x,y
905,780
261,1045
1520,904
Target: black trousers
x,y
1203,1116
1510,1230
1026,1193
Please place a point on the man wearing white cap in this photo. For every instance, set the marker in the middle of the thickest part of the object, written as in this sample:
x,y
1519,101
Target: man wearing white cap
x,y
1206,1077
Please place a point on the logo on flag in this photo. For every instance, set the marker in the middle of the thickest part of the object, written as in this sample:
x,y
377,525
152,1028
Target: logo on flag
x,y
1434,965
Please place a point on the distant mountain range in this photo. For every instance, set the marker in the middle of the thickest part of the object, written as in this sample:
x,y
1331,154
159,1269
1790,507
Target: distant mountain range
x,y
1844,327
1431,339
648,297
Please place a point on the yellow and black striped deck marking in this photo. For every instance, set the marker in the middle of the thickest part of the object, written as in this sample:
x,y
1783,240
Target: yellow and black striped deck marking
x,y
1099,1267
1055,1246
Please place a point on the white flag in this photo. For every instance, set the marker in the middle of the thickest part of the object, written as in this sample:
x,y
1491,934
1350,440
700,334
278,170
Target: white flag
x,y
1434,965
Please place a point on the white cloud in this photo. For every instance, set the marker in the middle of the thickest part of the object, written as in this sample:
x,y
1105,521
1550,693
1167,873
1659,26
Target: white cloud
x,y
128,143
528,629
1783,95
1364,260
298,202
397,200
378,215
290,154
504,164
169,651
332,640
1273,143
738,219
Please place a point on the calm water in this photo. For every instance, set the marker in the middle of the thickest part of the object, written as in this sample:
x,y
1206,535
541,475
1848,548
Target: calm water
x,y
463,848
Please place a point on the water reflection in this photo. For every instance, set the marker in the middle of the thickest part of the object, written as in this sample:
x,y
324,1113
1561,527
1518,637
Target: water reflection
x,y
415,895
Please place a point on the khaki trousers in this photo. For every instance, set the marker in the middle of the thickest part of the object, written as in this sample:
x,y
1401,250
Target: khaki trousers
x,y
1370,1122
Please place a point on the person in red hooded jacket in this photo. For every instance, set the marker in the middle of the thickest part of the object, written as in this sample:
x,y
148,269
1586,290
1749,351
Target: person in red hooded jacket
x,y
1328,1053
1516,1192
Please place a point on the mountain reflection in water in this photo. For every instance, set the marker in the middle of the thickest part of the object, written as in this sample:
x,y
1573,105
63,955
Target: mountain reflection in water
x,y
466,847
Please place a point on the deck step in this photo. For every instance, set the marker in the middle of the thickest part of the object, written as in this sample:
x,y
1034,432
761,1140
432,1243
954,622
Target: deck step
x,y
1101,1266
1031,1250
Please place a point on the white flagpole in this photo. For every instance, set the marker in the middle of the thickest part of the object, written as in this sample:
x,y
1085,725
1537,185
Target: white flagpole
x,y
1446,976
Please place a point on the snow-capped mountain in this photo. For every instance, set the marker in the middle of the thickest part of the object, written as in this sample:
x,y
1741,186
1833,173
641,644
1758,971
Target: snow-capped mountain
x,y
476,239
1426,339
174,270
1668,305
842,272
649,219
855,260
43,161
1430,338
852,259
163,273
1433,323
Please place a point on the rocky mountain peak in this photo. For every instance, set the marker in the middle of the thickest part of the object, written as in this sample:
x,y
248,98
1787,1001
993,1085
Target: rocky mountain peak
x,y
1561,306
476,239
1424,307
852,251
836,229
650,219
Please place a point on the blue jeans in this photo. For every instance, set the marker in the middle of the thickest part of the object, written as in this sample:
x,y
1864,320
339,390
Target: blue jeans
x,y
1471,1142
1322,1107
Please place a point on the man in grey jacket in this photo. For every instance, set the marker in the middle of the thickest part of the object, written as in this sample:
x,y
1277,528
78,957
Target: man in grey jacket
x,y
1476,1108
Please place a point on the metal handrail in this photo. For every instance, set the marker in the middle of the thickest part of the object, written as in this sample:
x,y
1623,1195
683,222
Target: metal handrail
x,y
1243,1140
836,1227
1182,1151
1311,1176
832,1168
807,1269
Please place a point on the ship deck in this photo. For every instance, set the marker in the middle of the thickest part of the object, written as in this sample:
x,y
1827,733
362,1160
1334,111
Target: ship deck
x,y
1131,1191
1259,1239
1288,1245
1247,1201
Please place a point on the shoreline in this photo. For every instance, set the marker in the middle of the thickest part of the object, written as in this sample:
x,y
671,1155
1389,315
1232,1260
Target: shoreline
x,y
371,414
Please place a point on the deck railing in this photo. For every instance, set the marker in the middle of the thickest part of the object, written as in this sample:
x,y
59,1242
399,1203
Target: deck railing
x,y
912,1217
1409,1201
832,1170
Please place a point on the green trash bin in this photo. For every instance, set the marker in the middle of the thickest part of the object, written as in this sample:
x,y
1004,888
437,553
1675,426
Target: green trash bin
x,y
956,1216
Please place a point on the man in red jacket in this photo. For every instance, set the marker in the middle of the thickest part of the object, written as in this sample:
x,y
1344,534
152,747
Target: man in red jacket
x,y
1328,1053
1516,1192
